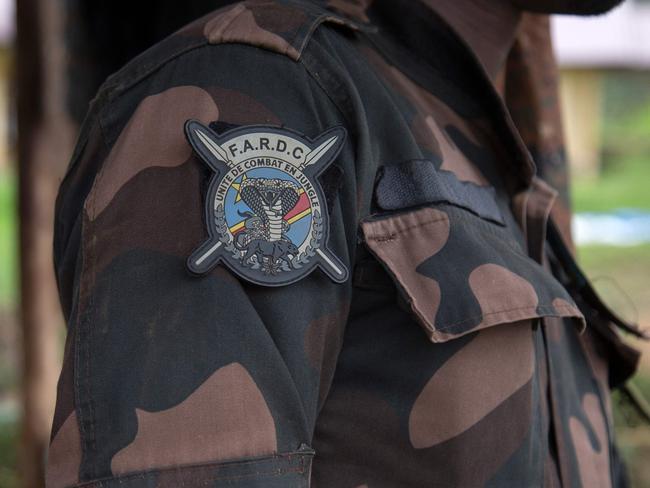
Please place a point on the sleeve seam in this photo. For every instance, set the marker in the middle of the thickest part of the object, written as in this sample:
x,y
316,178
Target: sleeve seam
x,y
300,468
323,87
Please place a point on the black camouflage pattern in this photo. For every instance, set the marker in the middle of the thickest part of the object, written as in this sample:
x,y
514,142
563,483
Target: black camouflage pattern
x,y
455,354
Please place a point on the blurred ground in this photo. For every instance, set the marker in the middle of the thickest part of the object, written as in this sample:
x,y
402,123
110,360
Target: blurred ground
x,y
621,274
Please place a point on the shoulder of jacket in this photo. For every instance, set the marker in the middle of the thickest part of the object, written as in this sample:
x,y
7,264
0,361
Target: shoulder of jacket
x,y
279,26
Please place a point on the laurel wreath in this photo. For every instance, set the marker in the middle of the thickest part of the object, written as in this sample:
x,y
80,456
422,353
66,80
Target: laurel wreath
x,y
316,236
226,238
296,263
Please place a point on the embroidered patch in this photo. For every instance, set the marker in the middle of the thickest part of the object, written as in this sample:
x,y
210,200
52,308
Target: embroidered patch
x,y
265,209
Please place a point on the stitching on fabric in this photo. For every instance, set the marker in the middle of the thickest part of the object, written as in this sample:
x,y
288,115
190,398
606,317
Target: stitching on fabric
x,y
76,393
318,20
544,310
275,472
306,35
382,239
227,26
114,88
88,437
317,79
394,235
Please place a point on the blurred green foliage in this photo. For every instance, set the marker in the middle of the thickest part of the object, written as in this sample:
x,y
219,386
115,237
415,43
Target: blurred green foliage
x,y
625,168
8,442
8,238
623,270
8,296
626,107
629,133
624,184
8,279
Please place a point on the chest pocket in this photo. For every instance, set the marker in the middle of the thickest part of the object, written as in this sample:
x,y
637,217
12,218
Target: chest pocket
x,y
448,250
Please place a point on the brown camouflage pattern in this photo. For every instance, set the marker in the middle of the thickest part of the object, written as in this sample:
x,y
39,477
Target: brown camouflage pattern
x,y
455,355
532,95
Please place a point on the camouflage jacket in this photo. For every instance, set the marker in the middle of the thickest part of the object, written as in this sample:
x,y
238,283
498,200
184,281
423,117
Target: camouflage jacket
x,y
302,243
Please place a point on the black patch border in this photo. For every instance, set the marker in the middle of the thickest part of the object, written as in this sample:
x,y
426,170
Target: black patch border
x,y
218,169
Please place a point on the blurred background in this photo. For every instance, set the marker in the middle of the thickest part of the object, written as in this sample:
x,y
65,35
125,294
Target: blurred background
x,y
58,52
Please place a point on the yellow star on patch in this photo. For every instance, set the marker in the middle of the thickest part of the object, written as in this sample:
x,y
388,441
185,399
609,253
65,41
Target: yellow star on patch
x,y
237,187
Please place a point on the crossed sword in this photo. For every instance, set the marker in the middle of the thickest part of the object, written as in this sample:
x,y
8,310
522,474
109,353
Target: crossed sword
x,y
312,157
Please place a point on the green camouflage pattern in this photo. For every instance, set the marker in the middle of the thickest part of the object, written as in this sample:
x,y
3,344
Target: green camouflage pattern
x,y
456,354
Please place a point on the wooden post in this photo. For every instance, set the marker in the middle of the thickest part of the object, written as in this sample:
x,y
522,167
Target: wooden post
x,y
582,95
44,144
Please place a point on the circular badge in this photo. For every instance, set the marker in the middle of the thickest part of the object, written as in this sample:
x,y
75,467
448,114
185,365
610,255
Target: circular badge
x,y
265,209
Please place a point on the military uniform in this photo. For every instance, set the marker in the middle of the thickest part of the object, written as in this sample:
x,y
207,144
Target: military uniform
x,y
303,244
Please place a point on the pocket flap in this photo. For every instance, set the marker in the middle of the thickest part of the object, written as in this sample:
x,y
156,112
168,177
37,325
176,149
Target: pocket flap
x,y
418,181
461,273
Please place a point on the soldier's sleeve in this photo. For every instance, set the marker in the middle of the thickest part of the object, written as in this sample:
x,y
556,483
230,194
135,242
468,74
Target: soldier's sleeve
x,y
215,375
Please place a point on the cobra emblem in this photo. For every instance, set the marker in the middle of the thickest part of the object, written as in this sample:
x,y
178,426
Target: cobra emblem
x,y
266,213
271,200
